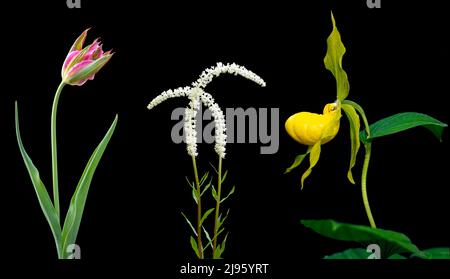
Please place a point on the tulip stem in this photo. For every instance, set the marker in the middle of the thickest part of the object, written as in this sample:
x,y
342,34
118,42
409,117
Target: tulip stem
x,y
54,149
199,210
368,147
218,200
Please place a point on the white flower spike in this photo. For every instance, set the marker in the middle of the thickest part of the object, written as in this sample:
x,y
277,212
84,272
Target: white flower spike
x,y
198,96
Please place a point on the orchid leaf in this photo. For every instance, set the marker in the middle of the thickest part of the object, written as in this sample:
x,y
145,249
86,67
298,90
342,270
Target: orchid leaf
x,y
401,122
313,159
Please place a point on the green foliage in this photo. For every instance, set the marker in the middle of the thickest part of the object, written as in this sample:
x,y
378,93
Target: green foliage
x,y
401,122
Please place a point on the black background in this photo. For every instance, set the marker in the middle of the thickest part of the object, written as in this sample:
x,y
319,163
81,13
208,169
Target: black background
x,y
397,60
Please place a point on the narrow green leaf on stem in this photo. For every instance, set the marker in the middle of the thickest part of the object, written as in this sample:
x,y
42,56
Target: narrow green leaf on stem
x,y
78,201
229,194
41,192
206,214
189,223
195,247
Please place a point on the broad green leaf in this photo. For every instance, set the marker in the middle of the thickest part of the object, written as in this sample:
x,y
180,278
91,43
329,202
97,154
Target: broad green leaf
x,y
333,61
205,215
397,257
349,254
195,246
229,194
390,242
353,119
435,253
78,201
404,121
189,223
44,199
313,159
298,160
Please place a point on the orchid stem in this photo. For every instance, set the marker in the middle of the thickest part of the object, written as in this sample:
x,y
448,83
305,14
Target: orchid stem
x,y
54,149
368,147
199,210
218,198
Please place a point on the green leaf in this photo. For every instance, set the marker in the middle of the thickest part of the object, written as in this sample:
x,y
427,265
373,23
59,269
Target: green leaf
x,y
353,119
189,223
78,201
390,242
195,246
206,187
194,195
224,176
205,215
298,160
229,194
397,257
333,61
207,237
214,192
44,199
349,254
204,177
401,122
435,253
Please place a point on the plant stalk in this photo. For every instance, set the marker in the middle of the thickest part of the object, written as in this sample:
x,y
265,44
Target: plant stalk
x,y
54,149
368,147
199,210
218,198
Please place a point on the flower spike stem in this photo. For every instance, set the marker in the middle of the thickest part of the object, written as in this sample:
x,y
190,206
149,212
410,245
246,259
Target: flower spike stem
x,y
368,147
218,199
54,149
199,210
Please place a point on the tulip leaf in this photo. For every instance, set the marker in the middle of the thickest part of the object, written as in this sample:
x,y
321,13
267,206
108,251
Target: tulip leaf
x,y
404,121
435,253
333,61
44,199
349,254
390,242
78,201
354,121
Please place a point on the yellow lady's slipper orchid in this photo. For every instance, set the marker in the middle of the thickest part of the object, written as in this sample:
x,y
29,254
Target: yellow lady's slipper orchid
x,y
308,128
314,129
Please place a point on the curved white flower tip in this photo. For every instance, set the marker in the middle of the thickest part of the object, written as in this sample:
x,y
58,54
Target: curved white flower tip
x,y
190,132
208,74
219,121
179,92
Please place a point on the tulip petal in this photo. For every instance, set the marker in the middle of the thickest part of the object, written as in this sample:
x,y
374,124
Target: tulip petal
x,y
85,70
313,159
333,61
78,44
354,121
